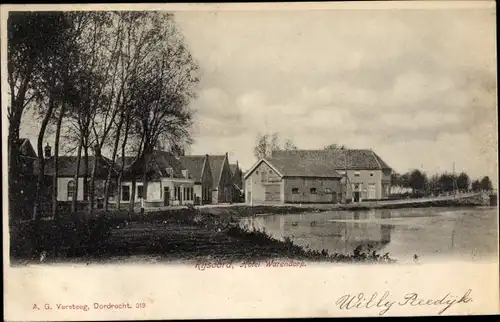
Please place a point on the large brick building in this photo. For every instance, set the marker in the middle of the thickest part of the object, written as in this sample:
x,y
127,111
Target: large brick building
x,y
292,179
365,175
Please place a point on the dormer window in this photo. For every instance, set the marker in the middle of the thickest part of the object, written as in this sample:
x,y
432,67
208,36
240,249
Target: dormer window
x,y
170,172
185,174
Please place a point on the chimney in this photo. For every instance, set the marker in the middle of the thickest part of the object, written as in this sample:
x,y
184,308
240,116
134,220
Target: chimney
x,y
48,150
97,150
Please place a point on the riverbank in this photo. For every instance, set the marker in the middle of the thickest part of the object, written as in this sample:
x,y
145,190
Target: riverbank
x,y
187,235
243,210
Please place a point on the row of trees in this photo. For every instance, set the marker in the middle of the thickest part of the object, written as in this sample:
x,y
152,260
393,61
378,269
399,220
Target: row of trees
x,y
420,182
120,81
267,143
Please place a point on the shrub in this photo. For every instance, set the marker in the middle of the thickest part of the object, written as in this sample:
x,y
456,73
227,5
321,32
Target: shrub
x,y
72,236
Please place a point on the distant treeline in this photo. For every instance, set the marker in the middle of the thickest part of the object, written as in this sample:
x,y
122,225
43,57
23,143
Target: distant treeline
x,y
421,183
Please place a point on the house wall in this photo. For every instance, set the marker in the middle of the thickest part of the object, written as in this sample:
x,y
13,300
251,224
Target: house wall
x,y
378,178
155,192
198,192
327,190
62,188
263,185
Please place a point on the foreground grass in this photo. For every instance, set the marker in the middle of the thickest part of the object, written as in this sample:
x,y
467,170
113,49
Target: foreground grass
x,y
181,235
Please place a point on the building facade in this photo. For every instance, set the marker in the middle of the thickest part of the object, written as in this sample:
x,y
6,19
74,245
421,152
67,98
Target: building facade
x,y
68,168
198,167
365,176
167,184
291,180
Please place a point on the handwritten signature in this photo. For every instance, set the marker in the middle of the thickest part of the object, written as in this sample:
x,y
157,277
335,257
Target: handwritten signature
x,y
385,303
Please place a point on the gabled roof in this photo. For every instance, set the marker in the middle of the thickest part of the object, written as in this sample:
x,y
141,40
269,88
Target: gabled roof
x,y
352,159
297,165
128,161
216,166
26,149
194,165
236,175
233,167
159,165
67,166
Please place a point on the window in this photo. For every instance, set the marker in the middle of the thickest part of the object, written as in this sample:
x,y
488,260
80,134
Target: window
x,y
71,189
125,193
356,174
256,172
295,190
188,193
140,190
313,191
371,174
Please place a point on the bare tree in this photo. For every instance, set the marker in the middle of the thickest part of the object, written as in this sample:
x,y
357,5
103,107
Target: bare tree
x,y
289,145
31,39
260,149
70,69
50,83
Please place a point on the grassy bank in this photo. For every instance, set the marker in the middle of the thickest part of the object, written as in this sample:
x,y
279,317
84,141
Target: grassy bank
x,y
184,234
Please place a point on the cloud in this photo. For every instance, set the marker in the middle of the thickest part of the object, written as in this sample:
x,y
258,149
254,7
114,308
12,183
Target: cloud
x,y
417,86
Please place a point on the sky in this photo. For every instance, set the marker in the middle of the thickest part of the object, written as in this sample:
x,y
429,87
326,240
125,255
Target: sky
x,y
416,86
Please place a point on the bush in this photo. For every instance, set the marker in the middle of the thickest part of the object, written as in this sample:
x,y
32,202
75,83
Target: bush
x,y
71,237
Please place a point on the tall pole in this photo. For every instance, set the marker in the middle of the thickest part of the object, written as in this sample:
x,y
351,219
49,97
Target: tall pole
x,y
345,173
455,185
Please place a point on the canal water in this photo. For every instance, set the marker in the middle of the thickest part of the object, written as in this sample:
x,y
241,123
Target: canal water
x,y
432,234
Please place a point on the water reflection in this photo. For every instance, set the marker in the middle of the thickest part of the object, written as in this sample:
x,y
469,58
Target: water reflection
x,y
402,233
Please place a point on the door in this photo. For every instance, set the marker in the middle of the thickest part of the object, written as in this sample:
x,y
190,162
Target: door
x,y
371,191
356,196
166,196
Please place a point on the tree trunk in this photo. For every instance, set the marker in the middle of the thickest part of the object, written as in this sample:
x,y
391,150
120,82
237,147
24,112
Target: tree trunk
x,y
119,191
111,168
13,145
41,160
74,199
122,167
145,162
86,172
132,193
55,212
95,164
